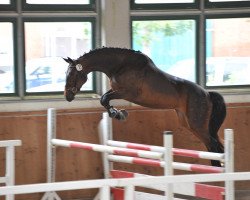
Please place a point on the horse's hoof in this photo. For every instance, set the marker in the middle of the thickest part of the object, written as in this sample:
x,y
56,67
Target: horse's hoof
x,y
113,112
122,115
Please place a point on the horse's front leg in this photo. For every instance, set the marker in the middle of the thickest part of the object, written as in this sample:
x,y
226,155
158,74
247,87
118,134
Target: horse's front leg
x,y
113,112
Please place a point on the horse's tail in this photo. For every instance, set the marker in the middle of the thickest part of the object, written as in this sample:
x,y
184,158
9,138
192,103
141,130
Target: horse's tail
x,y
216,119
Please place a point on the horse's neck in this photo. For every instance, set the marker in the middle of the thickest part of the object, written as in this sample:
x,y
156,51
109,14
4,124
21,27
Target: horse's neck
x,y
106,63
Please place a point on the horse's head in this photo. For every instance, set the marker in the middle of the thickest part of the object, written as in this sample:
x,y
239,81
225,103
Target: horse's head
x,y
75,78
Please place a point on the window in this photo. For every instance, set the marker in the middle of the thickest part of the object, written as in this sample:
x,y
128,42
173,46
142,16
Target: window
x,y
46,43
5,2
162,4
227,3
58,5
208,44
162,1
7,5
227,51
170,43
43,38
7,70
72,2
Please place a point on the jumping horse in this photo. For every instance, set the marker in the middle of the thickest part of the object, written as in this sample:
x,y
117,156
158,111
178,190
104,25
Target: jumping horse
x,y
134,77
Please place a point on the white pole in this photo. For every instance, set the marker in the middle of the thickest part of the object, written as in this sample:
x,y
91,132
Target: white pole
x,y
51,154
105,192
107,134
129,192
229,163
10,169
168,158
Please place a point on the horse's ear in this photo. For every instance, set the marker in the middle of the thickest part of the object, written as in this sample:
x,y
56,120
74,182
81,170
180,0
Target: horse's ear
x,y
69,60
65,60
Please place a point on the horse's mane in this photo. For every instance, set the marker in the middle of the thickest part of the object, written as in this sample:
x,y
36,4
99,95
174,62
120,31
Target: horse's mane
x,y
110,50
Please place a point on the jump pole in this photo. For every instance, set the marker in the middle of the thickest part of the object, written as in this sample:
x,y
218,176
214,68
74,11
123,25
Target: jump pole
x,y
51,154
105,132
168,158
176,151
229,163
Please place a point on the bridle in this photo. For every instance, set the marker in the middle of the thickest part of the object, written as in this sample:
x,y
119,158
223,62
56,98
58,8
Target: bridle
x,y
79,68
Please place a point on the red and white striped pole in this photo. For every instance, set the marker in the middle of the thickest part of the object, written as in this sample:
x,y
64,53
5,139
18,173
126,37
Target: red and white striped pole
x,y
108,149
176,151
157,163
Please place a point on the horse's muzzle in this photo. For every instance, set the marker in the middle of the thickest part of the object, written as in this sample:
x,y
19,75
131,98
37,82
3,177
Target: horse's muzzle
x,y
69,94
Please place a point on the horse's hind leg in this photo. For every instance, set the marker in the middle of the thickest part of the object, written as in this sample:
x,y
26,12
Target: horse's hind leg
x,y
217,117
205,118
203,134
199,111
113,112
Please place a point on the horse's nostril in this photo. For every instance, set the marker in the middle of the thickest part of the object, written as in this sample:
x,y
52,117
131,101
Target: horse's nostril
x,y
69,98
69,95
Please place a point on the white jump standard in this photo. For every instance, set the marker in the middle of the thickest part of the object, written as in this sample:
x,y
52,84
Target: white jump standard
x,y
9,178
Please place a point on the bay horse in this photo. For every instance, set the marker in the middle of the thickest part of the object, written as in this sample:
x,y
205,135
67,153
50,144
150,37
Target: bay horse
x,y
134,77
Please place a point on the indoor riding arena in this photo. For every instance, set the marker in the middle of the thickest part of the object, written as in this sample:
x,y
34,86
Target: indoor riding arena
x,y
124,99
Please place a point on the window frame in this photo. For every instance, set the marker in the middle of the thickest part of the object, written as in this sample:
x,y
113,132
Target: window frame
x,y
59,7
92,20
163,6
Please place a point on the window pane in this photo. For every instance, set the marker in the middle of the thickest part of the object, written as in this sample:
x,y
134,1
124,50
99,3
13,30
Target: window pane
x,y
226,0
46,43
169,43
6,58
4,1
57,1
228,47
162,1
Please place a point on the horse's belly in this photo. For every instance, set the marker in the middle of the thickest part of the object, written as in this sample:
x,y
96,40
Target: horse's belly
x,y
157,101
